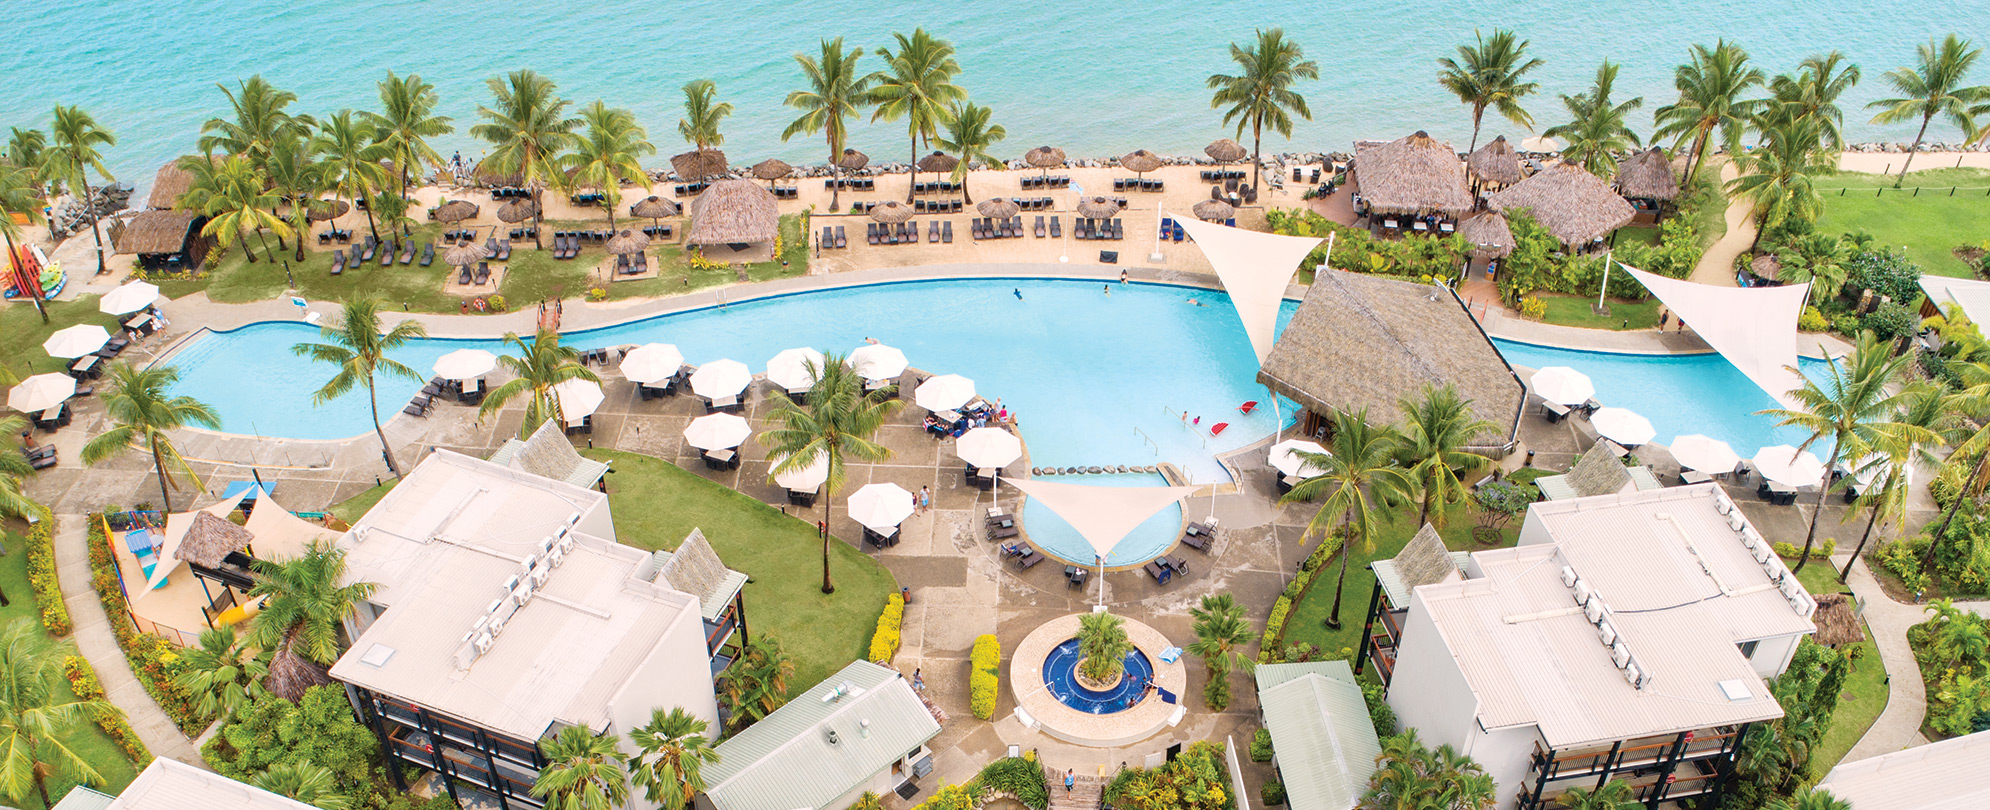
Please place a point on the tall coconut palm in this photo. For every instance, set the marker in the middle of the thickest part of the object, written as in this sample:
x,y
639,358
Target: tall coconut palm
x,y
606,156
528,129
835,95
223,674
143,413
1615,794
1220,630
260,120
538,366
1823,259
1813,93
18,199
237,201
306,600
78,140
353,152
296,174
1854,403
27,148
969,135
584,771
1437,426
1491,75
1933,87
1598,128
407,120
1710,87
703,113
674,750
835,423
357,346
1261,94
1928,418
306,782
1362,463
38,725
916,84
1778,177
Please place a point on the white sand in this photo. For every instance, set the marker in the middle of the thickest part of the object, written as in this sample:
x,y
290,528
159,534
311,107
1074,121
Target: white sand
x,y
1890,162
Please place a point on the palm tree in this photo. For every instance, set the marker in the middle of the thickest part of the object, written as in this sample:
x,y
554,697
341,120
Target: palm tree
x,y
1597,129
835,94
223,674
1927,419
969,134
1934,86
77,139
14,468
756,684
1612,795
835,422
1220,629
1363,458
27,149
1813,93
260,121
359,349
1710,87
1854,404
1261,93
305,602
144,412
1103,643
407,120
1778,177
237,201
352,159
18,198
37,725
527,128
674,747
1812,798
306,782
917,85
295,174
702,114
1822,259
539,365
606,157
1436,429
584,771
1490,75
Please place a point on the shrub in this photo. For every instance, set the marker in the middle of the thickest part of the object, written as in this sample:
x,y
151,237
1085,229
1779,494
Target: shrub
x,y
1217,694
496,303
951,797
1903,559
1273,792
1786,551
1261,746
1890,320
1812,321
597,294
884,642
985,680
1379,712
1825,549
1846,325
319,728
1532,308
156,662
1015,776
1269,644
1887,272
83,681
41,575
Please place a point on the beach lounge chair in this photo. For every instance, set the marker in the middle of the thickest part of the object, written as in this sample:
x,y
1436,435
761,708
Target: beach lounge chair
x,y
387,251
871,233
622,264
503,251
464,277
642,264
828,239
1016,226
1039,227
338,262
947,232
370,245
1119,229
408,252
933,232
841,242
1056,232
427,253
352,260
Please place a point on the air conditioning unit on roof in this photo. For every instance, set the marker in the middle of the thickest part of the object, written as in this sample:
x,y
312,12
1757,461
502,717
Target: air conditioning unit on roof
x,y
1749,539
1721,504
1634,676
1568,577
1734,521
1760,552
566,544
1582,592
1606,634
1620,655
483,643
1593,610
540,576
498,623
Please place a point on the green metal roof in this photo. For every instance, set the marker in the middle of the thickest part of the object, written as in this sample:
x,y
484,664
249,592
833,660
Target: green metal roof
x,y
787,761
1321,735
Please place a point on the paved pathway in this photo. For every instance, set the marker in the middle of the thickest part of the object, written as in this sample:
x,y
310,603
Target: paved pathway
x,y
1716,266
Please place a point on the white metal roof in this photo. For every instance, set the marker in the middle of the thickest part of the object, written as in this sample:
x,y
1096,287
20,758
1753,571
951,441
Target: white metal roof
x,y
1947,775
787,760
169,784
1970,294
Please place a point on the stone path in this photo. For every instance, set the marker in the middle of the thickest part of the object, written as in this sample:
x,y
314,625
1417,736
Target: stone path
x,y
1899,725
1716,266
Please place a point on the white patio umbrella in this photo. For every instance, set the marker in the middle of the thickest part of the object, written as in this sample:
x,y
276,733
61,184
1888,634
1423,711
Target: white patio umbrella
x,y
717,431
464,364
41,392
651,362
1563,385
806,478
988,447
876,361
1786,465
790,368
720,378
76,341
132,297
944,392
1622,426
1540,143
1285,457
880,507
1706,454
578,398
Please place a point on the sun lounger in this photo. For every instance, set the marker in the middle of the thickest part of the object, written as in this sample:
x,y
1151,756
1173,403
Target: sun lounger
x,y
464,276
503,251
828,238
1056,232
387,251
407,252
1016,226
947,232
871,233
1039,227
642,263
338,262
483,273
841,242
933,232
427,253
353,261
368,249
1119,229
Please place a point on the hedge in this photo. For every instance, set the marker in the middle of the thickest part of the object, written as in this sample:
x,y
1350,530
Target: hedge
x,y
1016,777
1273,793
1261,746
155,661
984,682
1274,627
41,575
884,642
83,681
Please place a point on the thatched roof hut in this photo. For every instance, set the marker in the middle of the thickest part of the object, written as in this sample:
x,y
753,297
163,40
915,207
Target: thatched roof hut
x,y
1837,623
1574,205
1365,342
210,540
733,211
1495,164
159,232
171,181
1647,175
1423,561
490,176
1413,175
1488,234
1766,267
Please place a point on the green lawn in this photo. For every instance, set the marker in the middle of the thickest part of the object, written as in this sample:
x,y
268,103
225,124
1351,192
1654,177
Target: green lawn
x,y
22,332
1636,235
1865,691
1930,223
1568,310
350,510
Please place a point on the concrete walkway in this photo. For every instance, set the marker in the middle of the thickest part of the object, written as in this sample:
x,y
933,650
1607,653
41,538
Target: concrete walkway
x,y
1716,266
99,645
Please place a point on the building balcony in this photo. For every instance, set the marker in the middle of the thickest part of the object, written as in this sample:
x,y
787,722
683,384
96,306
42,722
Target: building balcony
x,y
1629,756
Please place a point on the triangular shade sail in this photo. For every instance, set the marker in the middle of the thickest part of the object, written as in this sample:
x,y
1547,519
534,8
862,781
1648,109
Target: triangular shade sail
x,y
1102,515
177,524
1755,328
1254,267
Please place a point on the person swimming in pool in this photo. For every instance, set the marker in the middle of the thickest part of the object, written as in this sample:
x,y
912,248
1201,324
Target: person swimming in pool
x,y
1019,293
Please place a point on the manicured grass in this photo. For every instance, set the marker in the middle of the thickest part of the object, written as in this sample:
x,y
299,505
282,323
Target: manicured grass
x,y
1637,235
1567,310
22,332
357,505
1930,224
1865,692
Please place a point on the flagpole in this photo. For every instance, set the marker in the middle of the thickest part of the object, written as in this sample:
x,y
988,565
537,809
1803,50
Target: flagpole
x,y
1606,280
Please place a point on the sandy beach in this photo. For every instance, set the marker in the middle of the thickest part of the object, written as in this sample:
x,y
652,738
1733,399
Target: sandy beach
x,y
1890,162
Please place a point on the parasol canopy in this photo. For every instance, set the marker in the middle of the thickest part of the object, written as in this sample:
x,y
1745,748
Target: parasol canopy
x,y
699,163
1703,453
852,160
463,364
1102,515
795,369
891,212
1044,157
938,162
76,341
944,392
772,169
132,297
876,361
1214,211
1097,208
720,378
988,448
41,392
1789,466
1540,143
654,207
1226,151
454,211
717,431
1140,161
1623,426
1562,385
1285,457
517,210
327,210
998,208
578,398
651,362
806,478
881,507
627,241
465,253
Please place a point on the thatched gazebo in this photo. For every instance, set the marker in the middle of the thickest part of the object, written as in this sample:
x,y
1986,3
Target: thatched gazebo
x,y
997,208
733,212
1495,165
1412,176
1574,205
516,211
491,177
772,169
1140,162
1488,234
454,211
1646,179
1213,211
1097,208
166,239
210,540
1224,150
891,212
1767,268
1837,623
172,181
327,210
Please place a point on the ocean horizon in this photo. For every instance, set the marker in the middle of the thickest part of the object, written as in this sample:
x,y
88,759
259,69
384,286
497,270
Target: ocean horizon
x,y
1096,79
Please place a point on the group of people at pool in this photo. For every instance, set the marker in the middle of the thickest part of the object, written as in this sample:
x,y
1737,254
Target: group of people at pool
x,y
969,419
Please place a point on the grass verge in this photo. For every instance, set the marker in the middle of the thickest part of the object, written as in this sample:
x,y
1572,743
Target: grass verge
x,y
1568,310
1924,216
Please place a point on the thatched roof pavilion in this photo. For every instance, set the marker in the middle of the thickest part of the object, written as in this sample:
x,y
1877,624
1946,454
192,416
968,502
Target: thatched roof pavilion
x,y
1574,205
1413,175
1488,234
490,176
1836,622
210,540
1766,267
167,186
1495,164
1647,175
733,211
160,232
1362,341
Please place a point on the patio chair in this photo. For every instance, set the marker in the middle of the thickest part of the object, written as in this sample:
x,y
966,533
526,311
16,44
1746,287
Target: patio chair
x,y
1039,227
427,253
408,252
368,248
1056,232
353,261
338,262
463,277
947,232
933,232
503,251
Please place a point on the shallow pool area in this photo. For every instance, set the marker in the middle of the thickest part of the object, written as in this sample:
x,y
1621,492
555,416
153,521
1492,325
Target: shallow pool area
x,y
1060,678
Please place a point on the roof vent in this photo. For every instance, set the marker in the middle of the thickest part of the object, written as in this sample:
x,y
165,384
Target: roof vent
x,y
829,736
1736,691
1568,577
377,655
864,729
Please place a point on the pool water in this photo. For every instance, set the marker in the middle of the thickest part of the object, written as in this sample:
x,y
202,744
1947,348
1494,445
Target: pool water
x,y
1060,679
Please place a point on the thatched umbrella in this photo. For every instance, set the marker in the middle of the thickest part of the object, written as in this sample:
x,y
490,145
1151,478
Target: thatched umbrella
x,y
1766,267
454,211
1412,175
998,208
1494,164
490,175
1574,205
627,242
327,210
938,163
1140,162
1097,208
1226,151
699,163
850,161
517,210
654,208
1488,234
733,211
210,540
1647,175
1044,157
891,212
1214,210
772,169
1836,622
464,253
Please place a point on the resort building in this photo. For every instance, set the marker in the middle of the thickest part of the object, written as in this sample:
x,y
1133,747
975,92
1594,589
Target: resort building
x,y
169,784
168,241
505,611
1414,184
1575,206
1946,775
1646,181
734,212
1323,743
863,729
1628,636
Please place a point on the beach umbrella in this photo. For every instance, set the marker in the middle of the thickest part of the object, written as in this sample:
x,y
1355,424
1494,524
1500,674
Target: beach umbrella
x,y
517,210
1788,466
1706,454
938,163
464,364
454,211
654,208
1540,143
627,241
327,210
1226,151
1622,426
852,160
998,208
791,369
1097,208
877,361
1285,457
41,392
1044,157
132,297
76,341
1140,161
988,448
1563,385
806,478
717,431
578,398
699,163
1214,211
772,169
651,362
464,253
891,212
880,507
944,392
720,378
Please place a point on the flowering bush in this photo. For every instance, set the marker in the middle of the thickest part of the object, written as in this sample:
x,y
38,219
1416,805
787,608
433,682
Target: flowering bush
x,y
41,575
984,681
884,642
699,262
155,661
83,681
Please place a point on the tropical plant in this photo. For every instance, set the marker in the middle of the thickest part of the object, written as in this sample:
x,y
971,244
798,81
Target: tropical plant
x,y
295,174
14,467
143,413
835,94
352,159
527,128
1261,93
357,346
222,674
1822,259
1597,129
916,84
969,134
305,782
1812,93
538,366
757,683
674,747
835,422
1711,89
1363,458
584,771
1778,176
606,156
1933,87
18,199
1409,776
1812,798
1220,629
305,601
38,726
407,120
1926,407
1490,75
237,200
1103,644
1437,426
259,121
318,729
27,149
1615,794
78,139
703,113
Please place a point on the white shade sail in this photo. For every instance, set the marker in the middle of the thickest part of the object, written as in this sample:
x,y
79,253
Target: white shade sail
x,y
132,297
807,477
1255,268
651,362
721,378
944,392
41,392
880,507
463,364
177,524
1623,426
1285,457
1706,454
1789,466
578,398
76,341
795,369
876,361
1102,515
717,431
1755,328
1562,385
988,447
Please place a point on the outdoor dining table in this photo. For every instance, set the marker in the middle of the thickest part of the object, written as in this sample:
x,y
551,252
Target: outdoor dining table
x,y
141,324
86,366
726,459
52,419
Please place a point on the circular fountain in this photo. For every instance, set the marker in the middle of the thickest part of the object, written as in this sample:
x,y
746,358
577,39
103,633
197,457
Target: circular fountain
x,y
1053,696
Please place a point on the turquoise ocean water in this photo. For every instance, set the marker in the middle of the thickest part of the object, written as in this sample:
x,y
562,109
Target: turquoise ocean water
x,y
1096,78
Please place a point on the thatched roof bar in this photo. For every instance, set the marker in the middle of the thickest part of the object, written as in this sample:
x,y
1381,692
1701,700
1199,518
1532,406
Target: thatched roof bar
x,y
1495,163
731,211
157,232
210,540
1647,175
1412,175
1574,205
